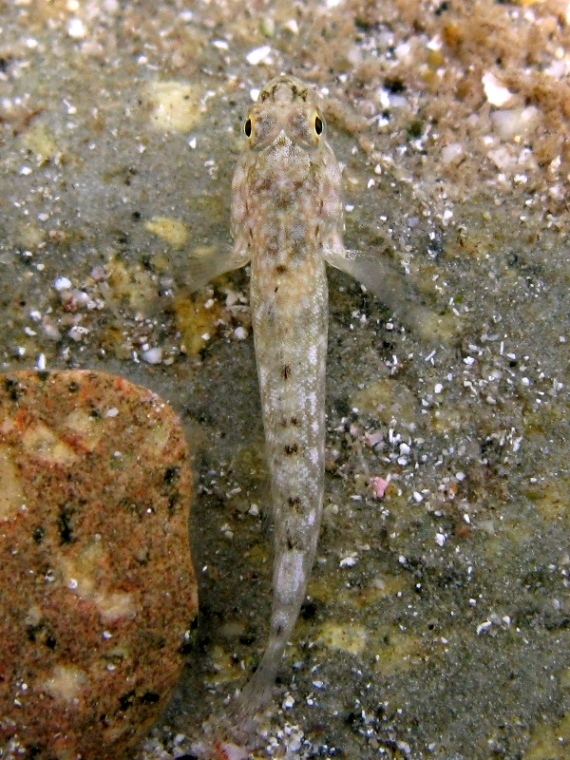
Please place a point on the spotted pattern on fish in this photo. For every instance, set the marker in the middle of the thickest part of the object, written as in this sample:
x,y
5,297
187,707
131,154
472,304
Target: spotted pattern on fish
x,y
287,211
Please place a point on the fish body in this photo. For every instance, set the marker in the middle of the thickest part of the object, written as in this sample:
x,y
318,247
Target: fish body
x,y
287,220
287,210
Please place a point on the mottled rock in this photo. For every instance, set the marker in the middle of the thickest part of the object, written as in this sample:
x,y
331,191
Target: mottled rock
x,y
97,589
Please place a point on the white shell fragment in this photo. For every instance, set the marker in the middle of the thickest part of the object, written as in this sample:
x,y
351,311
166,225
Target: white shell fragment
x,y
152,356
515,122
62,283
258,55
451,152
495,91
76,29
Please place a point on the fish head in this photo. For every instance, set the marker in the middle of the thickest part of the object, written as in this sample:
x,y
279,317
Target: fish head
x,y
286,116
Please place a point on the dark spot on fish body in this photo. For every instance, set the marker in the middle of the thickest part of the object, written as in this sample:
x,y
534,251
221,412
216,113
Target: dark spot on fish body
x,y
291,449
293,421
283,201
294,542
286,372
265,186
280,268
295,503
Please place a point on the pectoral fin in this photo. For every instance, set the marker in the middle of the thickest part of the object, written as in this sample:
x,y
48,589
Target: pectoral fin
x,y
207,264
391,287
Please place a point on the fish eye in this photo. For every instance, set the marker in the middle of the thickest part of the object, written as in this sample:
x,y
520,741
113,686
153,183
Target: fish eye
x,y
318,125
247,127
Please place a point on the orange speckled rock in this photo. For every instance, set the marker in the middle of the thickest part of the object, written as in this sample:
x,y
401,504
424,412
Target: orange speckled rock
x,y
97,590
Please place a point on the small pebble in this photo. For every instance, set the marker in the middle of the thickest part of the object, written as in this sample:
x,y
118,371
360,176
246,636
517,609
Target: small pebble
x,y
62,283
258,55
152,356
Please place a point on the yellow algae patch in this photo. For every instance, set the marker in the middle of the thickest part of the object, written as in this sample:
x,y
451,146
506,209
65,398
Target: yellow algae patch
x,y
173,106
250,469
224,664
564,678
172,231
380,588
11,494
86,427
131,283
387,399
433,326
348,637
447,418
326,588
65,683
551,499
42,442
40,140
196,319
396,651
30,236
549,742
258,555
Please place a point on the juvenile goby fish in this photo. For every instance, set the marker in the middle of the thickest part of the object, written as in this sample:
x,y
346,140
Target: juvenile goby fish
x,y
287,220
